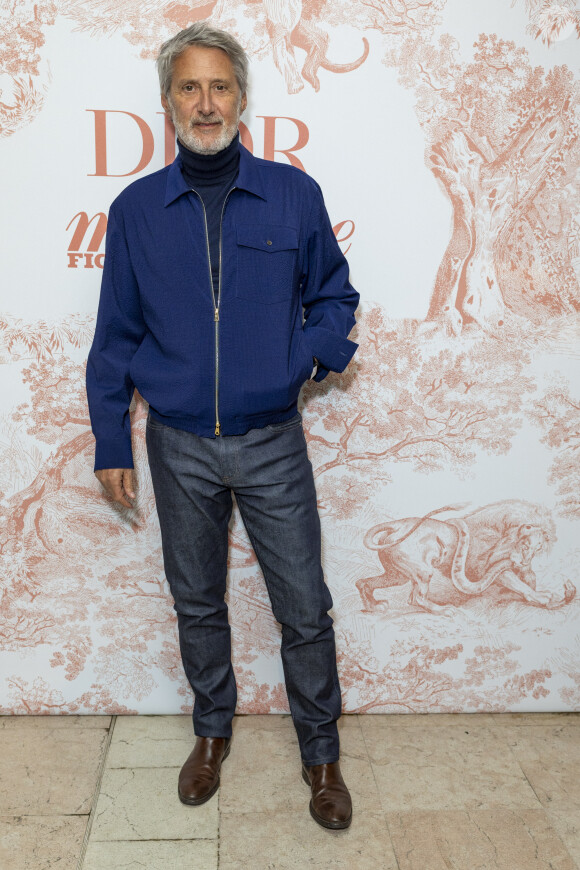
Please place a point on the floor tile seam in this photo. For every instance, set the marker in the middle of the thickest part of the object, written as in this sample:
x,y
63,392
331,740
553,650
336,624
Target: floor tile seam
x,y
71,719
553,820
537,715
293,810
25,815
384,812
516,810
554,832
96,793
145,767
379,814
219,825
357,717
154,840
473,813
371,724
427,720
529,782
463,806
563,728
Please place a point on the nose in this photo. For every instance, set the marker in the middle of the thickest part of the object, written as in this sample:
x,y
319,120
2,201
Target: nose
x,y
205,104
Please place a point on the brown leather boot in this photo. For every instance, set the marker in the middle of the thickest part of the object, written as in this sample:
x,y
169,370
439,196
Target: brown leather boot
x,y
331,805
199,777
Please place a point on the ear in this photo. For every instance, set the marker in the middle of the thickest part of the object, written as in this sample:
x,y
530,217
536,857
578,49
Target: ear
x,y
243,104
165,104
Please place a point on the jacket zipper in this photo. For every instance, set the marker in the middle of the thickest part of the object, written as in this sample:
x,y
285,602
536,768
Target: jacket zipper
x,y
217,316
216,310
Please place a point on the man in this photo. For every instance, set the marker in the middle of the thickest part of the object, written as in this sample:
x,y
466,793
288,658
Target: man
x,y
223,291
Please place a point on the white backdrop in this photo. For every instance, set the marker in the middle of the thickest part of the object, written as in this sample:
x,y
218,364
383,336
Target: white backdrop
x,y
446,457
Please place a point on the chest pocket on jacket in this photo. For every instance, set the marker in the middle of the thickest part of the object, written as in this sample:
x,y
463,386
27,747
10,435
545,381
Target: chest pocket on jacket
x,y
266,262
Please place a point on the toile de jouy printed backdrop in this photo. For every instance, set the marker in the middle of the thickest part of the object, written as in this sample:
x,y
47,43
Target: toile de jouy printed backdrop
x,y
446,137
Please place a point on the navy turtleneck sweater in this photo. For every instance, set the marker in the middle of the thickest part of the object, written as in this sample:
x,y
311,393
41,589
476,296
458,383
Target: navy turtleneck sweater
x,y
212,176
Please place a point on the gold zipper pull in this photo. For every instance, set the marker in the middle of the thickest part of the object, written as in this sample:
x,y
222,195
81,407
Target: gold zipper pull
x,y
216,315
217,428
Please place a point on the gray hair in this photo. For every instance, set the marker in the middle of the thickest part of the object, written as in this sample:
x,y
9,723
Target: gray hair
x,y
201,33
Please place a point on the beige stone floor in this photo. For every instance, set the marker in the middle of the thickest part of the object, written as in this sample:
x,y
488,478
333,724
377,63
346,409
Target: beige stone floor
x,y
430,792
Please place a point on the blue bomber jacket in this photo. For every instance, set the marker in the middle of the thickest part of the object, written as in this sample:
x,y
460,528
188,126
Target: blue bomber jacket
x,y
215,367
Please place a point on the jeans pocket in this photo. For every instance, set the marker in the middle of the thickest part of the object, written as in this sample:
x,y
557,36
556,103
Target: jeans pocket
x,y
292,423
152,423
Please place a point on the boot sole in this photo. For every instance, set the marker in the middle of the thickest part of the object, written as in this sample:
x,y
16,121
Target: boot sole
x,y
333,826
195,802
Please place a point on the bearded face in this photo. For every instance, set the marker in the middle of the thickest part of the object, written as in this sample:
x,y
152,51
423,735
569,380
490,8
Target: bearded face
x,y
204,101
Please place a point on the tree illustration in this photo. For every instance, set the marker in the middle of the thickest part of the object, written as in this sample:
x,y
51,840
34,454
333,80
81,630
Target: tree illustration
x,y
41,339
58,403
22,35
409,397
39,699
552,20
419,677
558,414
400,17
565,662
502,138
58,399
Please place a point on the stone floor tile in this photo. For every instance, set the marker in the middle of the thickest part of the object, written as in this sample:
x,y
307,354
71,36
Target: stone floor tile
x,y
41,842
142,804
51,722
152,854
48,770
263,771
550,758
287,841
536,718
266,722
565,819
150,741
426,720
497,839
445,768
282,722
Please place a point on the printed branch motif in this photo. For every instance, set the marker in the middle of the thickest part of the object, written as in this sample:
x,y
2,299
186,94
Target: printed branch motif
x,y
402,15
419,678
83,577
22,29
39,699
503,141
42,339
439,405
558,415
566,663
552,20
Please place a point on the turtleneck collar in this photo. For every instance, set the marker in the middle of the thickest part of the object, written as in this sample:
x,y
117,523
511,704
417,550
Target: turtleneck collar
x,y
209,168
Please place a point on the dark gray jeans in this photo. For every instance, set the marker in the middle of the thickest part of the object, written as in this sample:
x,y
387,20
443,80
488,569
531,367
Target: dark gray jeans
x,y
269,471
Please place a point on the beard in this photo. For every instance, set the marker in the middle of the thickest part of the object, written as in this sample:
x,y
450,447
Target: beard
x,y
186,133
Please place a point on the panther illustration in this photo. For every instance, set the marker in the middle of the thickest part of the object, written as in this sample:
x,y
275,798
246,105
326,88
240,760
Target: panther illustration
x,y
288,27
493,544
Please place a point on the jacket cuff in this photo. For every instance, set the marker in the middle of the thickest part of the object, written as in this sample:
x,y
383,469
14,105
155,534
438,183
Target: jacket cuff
x,y
113,453
333,351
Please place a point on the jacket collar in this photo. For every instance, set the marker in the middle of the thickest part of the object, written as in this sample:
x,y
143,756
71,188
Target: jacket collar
x,y
248,178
